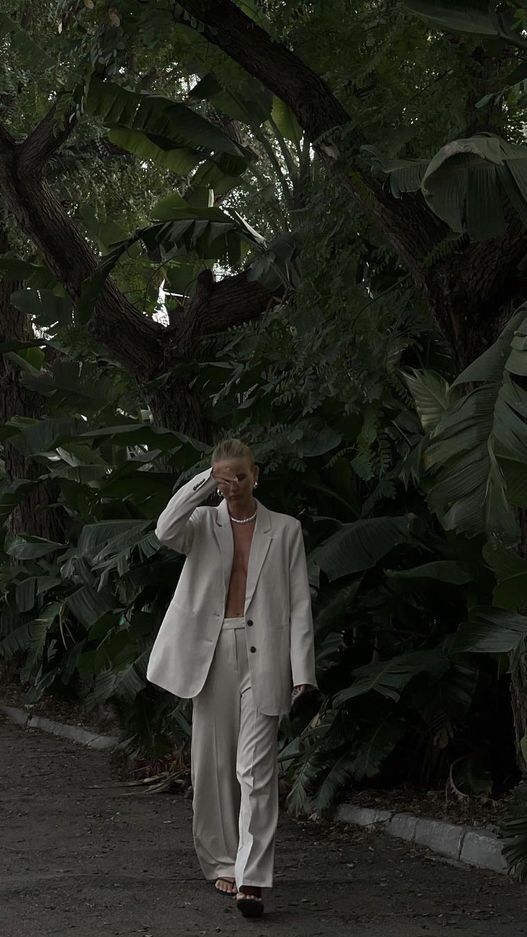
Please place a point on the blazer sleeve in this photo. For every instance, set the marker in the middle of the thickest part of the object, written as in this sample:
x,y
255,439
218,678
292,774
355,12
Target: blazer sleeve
x,y
302,632
177,524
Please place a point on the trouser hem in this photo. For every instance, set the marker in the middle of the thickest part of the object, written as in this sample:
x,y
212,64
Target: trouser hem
x,y
212,878
257,884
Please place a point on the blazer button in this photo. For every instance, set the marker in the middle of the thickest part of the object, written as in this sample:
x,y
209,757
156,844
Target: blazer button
x,y
249,621
253,649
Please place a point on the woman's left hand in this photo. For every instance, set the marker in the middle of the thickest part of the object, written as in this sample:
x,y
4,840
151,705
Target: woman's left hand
x,y
300,688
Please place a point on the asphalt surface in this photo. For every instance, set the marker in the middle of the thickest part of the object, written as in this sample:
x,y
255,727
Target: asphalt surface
x,y
81,855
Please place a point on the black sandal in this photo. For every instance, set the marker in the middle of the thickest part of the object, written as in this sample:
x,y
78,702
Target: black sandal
x,y
229,894
249,900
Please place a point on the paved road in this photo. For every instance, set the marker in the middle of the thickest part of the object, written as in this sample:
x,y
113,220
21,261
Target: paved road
x,y
80,856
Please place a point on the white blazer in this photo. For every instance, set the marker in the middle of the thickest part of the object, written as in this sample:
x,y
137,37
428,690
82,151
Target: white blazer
x,y
278,619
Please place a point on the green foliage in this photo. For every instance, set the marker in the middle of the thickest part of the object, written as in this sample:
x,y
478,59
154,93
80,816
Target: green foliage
x,y
471,16
81,614
511,575
357,546
185,231
469,183
169,127
252,104
391,677
407,477
477,444
492,631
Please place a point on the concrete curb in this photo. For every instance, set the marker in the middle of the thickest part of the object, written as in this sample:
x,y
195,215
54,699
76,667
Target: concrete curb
x,y
478,847
86,737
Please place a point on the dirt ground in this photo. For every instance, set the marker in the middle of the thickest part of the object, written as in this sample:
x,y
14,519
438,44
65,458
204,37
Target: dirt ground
x,y
81,855
439,804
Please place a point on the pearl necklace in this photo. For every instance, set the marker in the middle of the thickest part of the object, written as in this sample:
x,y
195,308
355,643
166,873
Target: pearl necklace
x,y
243,520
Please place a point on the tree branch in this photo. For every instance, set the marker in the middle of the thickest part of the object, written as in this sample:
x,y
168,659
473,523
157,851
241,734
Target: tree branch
x,y
308,95
411,228
133,337
459,292
140,344
45,139
233,301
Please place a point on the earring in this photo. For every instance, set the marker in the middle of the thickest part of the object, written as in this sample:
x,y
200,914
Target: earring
x,y
256,484
218,492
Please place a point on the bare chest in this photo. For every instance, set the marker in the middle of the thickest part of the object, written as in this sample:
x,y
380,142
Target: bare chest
x,y
242,537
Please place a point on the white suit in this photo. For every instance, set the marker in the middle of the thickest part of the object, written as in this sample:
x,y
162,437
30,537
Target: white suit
x,y
239,672
277,604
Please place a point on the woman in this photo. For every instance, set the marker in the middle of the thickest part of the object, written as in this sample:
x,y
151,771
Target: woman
x,y
236,637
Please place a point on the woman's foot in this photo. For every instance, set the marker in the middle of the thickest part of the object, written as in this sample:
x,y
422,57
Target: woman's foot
x,y
226,885
249,900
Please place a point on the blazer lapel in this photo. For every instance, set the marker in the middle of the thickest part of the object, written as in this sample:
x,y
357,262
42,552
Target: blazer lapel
x,y
259,546
223,533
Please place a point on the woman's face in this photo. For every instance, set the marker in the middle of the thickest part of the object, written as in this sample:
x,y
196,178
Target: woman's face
x,y
241,488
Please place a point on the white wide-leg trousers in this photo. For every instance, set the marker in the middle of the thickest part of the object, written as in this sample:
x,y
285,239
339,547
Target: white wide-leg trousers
x,y
234,769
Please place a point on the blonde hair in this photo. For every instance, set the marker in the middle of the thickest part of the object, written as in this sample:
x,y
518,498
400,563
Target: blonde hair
x,y
232,449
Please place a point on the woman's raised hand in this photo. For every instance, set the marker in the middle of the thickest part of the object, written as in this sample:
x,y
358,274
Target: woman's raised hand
x,y
225,477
